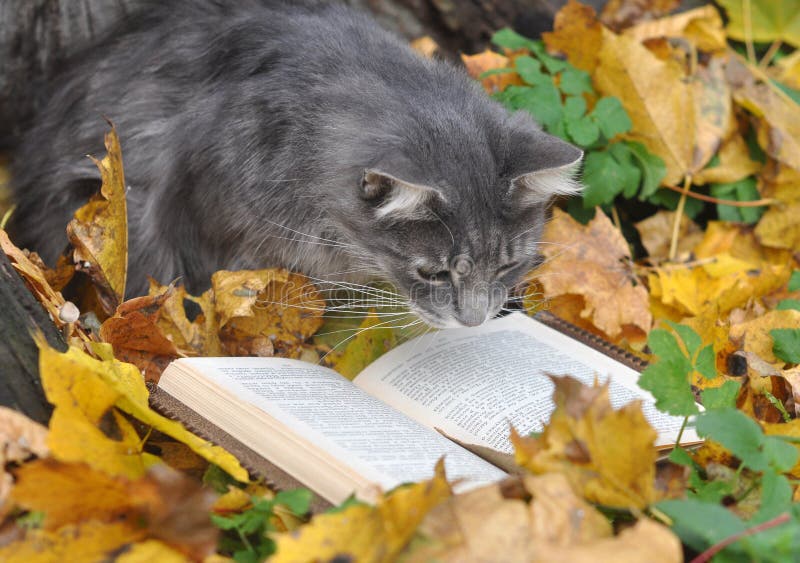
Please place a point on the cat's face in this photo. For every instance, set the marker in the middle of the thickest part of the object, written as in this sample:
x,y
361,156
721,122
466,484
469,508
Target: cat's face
x,y
456,246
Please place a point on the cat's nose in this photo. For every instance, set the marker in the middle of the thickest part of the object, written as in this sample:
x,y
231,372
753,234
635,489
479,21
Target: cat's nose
x,y
474,312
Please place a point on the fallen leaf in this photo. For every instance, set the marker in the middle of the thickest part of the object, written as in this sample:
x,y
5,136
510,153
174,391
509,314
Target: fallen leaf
x,y
577,34
617,473
779,118
99,231
734,164
702,27
655,233
136,337
198,336
265,309
88,541
83,389
753,336
488,60
20,439
163,505
655,94
593,261
362,532
767,21
621,14
369,342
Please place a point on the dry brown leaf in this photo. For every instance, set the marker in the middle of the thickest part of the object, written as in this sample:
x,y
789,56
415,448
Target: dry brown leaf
x,y
593,261
620,14
198,336
610,472
99,231
35,280
656,233
489,60
262,310
136,337
577,35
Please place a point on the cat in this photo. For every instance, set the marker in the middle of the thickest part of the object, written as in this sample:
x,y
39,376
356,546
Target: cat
x,y
262,133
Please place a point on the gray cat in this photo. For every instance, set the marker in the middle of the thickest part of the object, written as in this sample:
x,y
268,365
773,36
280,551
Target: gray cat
x,y
260,133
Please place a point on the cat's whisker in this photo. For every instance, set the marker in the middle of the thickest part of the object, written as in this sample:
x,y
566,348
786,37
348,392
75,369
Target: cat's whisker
x,y
334,242
359,331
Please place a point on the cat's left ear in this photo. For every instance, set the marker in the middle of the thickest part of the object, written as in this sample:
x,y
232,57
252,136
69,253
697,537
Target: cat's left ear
x,y
396,198
545,166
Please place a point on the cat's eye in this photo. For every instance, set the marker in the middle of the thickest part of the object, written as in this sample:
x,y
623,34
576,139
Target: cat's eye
x,y
502,270
438,277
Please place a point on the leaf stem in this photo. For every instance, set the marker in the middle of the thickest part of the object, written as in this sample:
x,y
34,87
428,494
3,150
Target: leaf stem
x,y
747,17
676,226
7,216
680,433
732,203
767,58
719,546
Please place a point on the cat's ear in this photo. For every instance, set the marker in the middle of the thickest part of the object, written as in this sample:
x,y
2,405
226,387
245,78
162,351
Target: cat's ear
x,y
544,167
395,198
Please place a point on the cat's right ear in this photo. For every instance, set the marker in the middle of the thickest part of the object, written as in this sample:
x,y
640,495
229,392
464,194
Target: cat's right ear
x,y
394,198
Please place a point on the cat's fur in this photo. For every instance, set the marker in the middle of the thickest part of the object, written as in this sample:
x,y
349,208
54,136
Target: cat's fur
x,y
260,133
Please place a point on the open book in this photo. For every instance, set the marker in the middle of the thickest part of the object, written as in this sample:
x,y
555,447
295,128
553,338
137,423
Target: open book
x,y
339,437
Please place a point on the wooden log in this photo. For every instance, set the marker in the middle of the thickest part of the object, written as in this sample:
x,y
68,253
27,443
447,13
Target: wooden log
x,y
22,315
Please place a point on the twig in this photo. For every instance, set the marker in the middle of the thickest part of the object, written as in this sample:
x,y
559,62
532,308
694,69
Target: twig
x,y
676,226
615,217
747,16
719,546
732,203
767,58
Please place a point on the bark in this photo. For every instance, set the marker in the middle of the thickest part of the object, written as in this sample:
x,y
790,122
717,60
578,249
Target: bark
x,y
21,317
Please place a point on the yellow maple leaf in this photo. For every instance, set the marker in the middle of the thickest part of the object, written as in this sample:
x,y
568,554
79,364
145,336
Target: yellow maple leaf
x,y
83,389
99,231
593,262
577,34
266,310
362,532
88,541
199,337
575,442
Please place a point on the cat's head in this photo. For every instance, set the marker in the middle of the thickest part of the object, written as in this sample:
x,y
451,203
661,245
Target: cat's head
x,y
453,214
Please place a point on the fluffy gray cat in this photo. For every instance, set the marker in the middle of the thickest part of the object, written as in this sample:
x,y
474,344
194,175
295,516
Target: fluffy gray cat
x,y
260,133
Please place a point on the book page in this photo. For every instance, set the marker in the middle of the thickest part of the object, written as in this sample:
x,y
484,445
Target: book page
x,y
330,414
473,382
